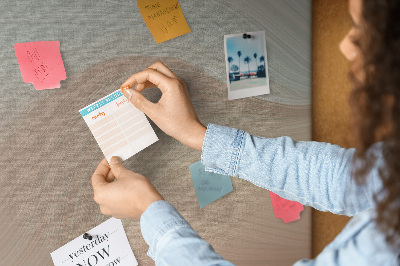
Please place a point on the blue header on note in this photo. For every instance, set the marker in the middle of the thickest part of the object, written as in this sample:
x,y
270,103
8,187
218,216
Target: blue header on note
x,y
101,103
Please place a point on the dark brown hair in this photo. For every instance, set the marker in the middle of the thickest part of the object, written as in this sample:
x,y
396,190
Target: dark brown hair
x,y
376,102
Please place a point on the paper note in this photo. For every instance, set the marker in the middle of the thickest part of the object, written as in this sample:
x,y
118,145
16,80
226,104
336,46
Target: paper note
x,y
118,126
164,19
41,64
108,246
209,186
284,209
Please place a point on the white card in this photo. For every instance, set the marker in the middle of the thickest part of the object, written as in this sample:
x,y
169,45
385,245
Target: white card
x,y
108,247
118,126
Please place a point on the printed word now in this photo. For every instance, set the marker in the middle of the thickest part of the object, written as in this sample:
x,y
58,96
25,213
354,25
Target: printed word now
x,y
94,258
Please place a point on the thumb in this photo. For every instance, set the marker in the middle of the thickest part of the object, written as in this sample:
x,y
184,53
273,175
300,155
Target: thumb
x,y
138,100
116,166
99,176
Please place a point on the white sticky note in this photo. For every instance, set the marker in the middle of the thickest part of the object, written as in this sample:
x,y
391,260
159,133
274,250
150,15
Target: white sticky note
x,y
118,126
109,246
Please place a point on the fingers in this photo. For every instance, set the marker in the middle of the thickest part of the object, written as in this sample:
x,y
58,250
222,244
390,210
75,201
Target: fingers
x,y
160,67
110,177
100,174
142,86
116,166
140,102
156,75
160,80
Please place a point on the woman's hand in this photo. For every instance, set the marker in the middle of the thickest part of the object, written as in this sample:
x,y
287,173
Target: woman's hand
x,y
173,113
128,196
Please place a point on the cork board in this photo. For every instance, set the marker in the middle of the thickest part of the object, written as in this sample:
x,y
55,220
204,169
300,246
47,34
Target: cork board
x,y
331,89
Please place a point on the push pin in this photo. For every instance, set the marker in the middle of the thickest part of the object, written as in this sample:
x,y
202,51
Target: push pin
x,y
125,88
246,36
87,236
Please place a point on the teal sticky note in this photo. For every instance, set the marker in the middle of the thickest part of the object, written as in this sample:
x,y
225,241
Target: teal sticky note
x,y
209,186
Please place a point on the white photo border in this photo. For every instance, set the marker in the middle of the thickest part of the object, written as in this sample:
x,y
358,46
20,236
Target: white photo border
x,y
247,92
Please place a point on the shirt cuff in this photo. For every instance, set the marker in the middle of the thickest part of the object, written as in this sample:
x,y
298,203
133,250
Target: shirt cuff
x,y
221,151
159,218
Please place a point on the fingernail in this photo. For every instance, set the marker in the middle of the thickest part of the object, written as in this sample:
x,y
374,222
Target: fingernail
x,y
115,160
129,93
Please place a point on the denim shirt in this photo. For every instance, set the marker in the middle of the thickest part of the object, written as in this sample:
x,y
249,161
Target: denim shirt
x,y
312,173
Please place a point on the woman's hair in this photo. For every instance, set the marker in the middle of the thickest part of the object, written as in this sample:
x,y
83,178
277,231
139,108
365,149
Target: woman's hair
x,y
376,101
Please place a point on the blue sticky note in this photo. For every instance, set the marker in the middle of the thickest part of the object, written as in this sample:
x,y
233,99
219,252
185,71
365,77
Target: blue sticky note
x,y
209,186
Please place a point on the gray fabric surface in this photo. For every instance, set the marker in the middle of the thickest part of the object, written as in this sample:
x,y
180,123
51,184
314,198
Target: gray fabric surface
x,y
48,153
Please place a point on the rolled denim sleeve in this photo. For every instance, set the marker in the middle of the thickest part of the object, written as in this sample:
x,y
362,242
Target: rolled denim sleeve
x,y
172,241
313,173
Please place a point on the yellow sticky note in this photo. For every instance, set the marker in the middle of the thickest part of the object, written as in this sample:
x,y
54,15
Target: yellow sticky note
x,y
164,18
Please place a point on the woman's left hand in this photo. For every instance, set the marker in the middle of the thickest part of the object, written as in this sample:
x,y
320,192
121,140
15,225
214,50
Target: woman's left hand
x,y
128,196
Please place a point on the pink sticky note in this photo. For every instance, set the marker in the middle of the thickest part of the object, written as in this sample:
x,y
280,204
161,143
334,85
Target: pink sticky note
x,y
41,63
284,209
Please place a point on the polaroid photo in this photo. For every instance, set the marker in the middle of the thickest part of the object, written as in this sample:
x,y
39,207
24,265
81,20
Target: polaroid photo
x,y
246,64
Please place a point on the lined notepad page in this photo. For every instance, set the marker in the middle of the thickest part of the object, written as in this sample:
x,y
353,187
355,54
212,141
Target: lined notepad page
x,y
118,126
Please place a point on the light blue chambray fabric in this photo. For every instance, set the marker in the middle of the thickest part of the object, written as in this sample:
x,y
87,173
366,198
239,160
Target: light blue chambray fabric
x,y
312,173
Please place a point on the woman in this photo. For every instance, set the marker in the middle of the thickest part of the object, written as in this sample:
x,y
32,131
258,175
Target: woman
x,y
317,174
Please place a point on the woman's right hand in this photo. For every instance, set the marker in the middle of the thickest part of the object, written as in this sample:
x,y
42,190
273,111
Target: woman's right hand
x,y
173,113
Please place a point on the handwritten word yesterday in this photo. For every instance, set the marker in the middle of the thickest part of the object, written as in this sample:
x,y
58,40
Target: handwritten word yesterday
x,y
100,114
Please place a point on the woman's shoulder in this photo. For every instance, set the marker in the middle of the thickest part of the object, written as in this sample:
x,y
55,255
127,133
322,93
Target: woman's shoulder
x,y
362,240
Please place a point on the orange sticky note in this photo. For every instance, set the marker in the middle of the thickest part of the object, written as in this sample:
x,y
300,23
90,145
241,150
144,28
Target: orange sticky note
x,y
284,209
41,63
164,18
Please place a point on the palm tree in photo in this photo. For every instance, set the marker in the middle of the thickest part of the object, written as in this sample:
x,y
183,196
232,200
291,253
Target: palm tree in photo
x,y
247,60
262,59
255,57
230,59
239,54
234,68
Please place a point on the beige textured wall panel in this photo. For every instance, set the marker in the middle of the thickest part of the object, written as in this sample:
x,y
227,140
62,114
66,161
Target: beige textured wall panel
x,y
49,154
